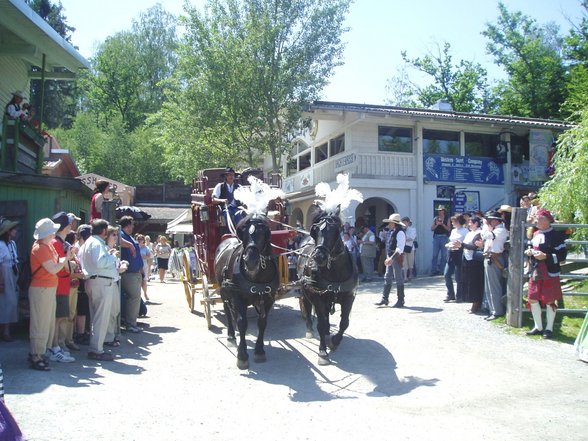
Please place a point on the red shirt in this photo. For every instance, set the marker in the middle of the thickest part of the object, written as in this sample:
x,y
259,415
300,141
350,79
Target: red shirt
x,y
94,213
63,276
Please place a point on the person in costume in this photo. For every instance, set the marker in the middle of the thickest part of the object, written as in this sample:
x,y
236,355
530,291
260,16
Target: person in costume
x,y
547,251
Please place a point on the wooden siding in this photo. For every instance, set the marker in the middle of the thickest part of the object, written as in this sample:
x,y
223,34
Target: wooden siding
x,y
42,202
14,74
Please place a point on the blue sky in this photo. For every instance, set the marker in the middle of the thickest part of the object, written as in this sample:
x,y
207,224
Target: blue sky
x,y
379,31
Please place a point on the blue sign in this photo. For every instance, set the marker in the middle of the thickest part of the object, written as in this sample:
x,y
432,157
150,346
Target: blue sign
x,y
466,201
463,169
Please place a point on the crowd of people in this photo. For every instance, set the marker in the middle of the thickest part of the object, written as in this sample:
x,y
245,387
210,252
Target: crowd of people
x,y
78,272
476,261
85,284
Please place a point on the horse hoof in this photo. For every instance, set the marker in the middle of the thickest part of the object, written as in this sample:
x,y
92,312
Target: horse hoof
x,y
232,341
242,364
259,358
309,334
324,361
330,344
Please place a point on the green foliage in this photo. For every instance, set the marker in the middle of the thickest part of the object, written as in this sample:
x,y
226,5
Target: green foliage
x,y
60,97
531,56
567,192
576,50
129,69
246,69
463,84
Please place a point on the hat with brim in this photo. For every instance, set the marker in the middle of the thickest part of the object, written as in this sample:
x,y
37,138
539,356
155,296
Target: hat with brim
x,y
7,225
45,227
19,94
394,219
441,207
72,217
542,212
505,209
493,214
229,170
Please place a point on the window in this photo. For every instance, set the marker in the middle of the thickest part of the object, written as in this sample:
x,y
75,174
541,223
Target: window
x,y
481,144
321,153
395,139
304,161
337,145
440,142
519,148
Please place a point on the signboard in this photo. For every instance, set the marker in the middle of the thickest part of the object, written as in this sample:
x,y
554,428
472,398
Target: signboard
x,y
462,169
345,162
466,201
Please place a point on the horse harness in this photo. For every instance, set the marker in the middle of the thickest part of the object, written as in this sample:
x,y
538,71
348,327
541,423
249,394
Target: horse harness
x,y
234,280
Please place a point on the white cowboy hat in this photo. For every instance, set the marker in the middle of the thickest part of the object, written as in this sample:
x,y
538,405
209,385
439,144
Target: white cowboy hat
x,y
19,94
45,227
394,218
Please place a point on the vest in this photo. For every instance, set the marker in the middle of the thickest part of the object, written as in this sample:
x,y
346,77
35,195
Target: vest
x,y
226,194
391,242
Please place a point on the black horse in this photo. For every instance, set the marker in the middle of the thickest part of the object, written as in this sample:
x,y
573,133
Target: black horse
x,y
328,276
248,275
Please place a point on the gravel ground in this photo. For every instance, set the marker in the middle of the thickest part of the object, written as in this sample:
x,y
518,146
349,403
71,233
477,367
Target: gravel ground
x,y
427,371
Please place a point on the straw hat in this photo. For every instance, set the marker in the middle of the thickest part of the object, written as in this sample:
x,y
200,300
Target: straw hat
x,y
394,218
45,227
441,207
19,94
7,225
505,209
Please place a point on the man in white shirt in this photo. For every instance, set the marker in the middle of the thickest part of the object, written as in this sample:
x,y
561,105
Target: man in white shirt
x,y
99,265
494,237
223,193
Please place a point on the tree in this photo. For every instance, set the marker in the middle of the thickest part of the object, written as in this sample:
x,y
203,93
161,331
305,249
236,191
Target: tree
x,y
531,56
130,68
60,97
576,54
567,192
246,70
464,85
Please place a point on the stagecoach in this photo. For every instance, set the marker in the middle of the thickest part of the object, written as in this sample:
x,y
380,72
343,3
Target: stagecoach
x,y
210,229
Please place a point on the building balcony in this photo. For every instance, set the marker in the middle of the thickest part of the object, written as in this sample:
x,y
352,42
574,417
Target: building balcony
x,y
357,165
21,147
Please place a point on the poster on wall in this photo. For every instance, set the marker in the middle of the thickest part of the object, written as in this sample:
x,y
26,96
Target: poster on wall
x,y
445,191
466,201
539,144
472,170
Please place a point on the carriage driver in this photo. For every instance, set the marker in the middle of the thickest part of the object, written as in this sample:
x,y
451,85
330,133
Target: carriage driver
x,y
223,194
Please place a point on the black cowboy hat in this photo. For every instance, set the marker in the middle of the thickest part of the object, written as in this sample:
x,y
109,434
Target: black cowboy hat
x,y
493,214
229,170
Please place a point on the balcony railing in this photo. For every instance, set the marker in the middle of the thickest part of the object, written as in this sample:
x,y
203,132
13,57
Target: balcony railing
x,y
21,147
357,165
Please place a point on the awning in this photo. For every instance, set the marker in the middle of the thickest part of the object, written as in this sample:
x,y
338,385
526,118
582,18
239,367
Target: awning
x,y
180,229
181,224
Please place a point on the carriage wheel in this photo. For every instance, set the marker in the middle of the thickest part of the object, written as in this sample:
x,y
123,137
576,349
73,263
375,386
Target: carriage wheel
x,y
206,303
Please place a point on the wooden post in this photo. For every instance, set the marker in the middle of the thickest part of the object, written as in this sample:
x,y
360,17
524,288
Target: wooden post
x,y
514,313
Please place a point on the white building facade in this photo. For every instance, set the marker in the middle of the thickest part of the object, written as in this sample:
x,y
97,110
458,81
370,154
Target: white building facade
x,y
410,161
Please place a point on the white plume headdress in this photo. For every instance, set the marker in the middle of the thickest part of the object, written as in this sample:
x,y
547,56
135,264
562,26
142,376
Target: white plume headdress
x,y
340,197
257,196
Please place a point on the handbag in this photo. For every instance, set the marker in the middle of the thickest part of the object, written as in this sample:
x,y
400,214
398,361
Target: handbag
x,y
407,249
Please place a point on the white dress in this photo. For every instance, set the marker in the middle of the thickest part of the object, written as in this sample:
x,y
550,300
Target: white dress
x,y
9,298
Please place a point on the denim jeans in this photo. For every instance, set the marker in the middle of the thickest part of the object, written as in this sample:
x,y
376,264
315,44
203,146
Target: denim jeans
x,y
439,241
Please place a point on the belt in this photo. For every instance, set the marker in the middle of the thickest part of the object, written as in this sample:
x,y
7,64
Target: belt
x,y
100,277
445,235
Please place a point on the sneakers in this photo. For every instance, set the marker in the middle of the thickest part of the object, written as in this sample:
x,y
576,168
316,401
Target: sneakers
x,y
60,356
134,329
